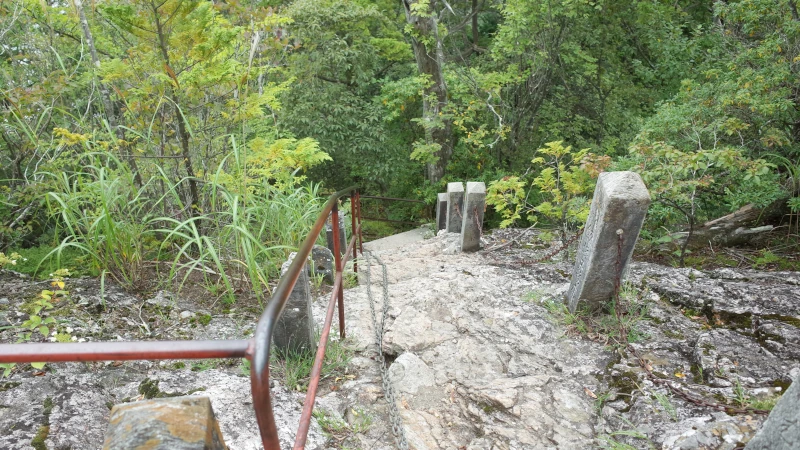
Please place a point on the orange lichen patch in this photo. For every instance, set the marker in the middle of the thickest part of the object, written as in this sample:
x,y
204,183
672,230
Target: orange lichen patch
x,y
169,423
191,422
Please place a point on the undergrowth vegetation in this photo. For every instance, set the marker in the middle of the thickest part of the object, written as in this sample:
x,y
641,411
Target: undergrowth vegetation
x,y
615,326
105,224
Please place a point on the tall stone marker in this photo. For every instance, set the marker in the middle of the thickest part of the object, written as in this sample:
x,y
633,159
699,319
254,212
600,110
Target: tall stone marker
x,y
781,431
294,331
472,223
455,200
441,211
177,423
329,234
618,208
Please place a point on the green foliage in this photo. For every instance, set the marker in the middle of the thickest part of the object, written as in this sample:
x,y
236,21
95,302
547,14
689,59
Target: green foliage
x,y
616,325
564,181
295,367
10,260
697,183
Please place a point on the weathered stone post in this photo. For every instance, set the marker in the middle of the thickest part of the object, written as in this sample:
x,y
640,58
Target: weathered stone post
x,y
472,223
342,237
177,423
441,211
455,200
294,331
618,208
323,263
781,431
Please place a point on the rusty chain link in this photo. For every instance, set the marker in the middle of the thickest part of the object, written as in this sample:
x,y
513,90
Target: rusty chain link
x,y
388,389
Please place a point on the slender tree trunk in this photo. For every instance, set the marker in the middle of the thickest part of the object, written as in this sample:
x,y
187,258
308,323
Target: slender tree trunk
x,y
474,24
183,134
429,54
108,106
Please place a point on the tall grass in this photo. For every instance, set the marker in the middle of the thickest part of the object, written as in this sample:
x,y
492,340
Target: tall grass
x,y
100,212
239,239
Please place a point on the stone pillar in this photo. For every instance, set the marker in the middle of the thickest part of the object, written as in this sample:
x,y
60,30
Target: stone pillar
x,y
323,263
455,200
294,331
342,237
176,423
618,208
472,222
441,211
781,431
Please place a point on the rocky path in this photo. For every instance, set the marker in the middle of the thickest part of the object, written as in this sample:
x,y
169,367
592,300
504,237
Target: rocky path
x,y
478,361
475,365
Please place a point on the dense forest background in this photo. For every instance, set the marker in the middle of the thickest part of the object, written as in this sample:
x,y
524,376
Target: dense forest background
x,y
185,135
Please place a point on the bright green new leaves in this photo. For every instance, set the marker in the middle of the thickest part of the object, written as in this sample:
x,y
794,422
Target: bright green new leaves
x,y
564,185
280,160
507,195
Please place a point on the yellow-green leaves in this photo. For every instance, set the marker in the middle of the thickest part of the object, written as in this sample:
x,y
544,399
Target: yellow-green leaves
x,y
507,195
564,184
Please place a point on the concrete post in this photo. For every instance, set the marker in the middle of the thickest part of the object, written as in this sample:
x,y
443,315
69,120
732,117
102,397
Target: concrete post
x,y
441,211
177,423
455,200
294,331
616,216
342,237
472,222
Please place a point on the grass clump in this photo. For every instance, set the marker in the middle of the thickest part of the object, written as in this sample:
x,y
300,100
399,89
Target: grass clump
x,y
616,324
107,223
294,367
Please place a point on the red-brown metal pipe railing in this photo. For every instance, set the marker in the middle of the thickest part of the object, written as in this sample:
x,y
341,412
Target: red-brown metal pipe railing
x,y
311,393
257,349
119,351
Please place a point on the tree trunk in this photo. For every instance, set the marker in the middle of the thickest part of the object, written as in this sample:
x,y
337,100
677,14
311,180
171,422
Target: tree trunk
x,y
183,135
108,106
736,228
429,54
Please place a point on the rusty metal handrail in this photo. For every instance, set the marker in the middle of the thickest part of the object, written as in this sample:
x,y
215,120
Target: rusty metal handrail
x,y
259,367
257,349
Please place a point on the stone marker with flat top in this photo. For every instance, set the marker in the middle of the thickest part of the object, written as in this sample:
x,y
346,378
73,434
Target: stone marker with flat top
x,y
455,200
472,222
616,216
177,423
441,211
294,331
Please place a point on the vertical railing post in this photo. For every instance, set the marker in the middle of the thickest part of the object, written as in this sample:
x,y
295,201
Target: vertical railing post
x,y
360,235
353,227
339,269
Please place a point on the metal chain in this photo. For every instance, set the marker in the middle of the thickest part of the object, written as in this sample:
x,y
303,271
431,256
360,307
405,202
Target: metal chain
x,y
477,222
388,389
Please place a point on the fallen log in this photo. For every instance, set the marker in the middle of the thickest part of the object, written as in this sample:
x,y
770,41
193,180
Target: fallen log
x,y
737,228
